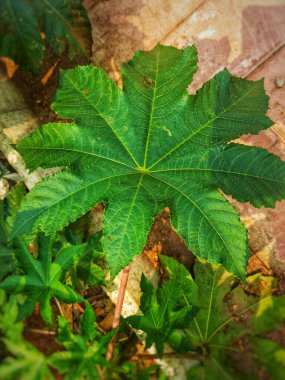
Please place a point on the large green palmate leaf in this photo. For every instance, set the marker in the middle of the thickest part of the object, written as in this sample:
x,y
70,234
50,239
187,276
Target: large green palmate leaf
x,y
42,278
149,146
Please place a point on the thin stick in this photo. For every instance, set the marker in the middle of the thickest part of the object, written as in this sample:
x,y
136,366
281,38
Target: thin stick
x,y
43,332
118,310
59,306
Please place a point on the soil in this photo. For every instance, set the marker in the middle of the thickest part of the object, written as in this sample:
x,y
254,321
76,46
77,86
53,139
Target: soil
x,y
40,335
164,239
39,96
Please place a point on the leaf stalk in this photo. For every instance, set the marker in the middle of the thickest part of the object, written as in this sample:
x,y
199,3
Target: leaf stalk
x,y
118,310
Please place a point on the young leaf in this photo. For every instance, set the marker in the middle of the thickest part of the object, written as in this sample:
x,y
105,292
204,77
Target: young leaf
x,y
20,36
9,327
41,280
83,355
27,363
181,282
150,146
164,310
88,323
91,273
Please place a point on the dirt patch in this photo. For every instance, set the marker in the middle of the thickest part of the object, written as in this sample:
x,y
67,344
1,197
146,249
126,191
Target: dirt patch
x,y
164,239
39,96
40,335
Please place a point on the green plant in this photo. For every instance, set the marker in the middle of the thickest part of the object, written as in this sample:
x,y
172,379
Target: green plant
x,y
8,210
149,146
270,355
86,269
167,308
65,25
227,316
42,278
82,357
27,362
84,352
230,320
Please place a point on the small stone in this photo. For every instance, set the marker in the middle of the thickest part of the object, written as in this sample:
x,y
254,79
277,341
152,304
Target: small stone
x,y
279,82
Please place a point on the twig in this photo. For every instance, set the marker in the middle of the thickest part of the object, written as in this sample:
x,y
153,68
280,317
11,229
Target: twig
x,y
174,355
59,307
43,332
99,328
76,306
118,310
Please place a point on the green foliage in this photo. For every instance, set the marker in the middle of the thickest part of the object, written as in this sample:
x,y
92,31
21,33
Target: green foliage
x,y
228,316
129,370
21,22
83,357
27,363
270,355
42,278
8,318
91,265
7,256
226,326
62,21
180,280
149,146
13,202
8,210
20,37
138,150
86,268
167,308
84,353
